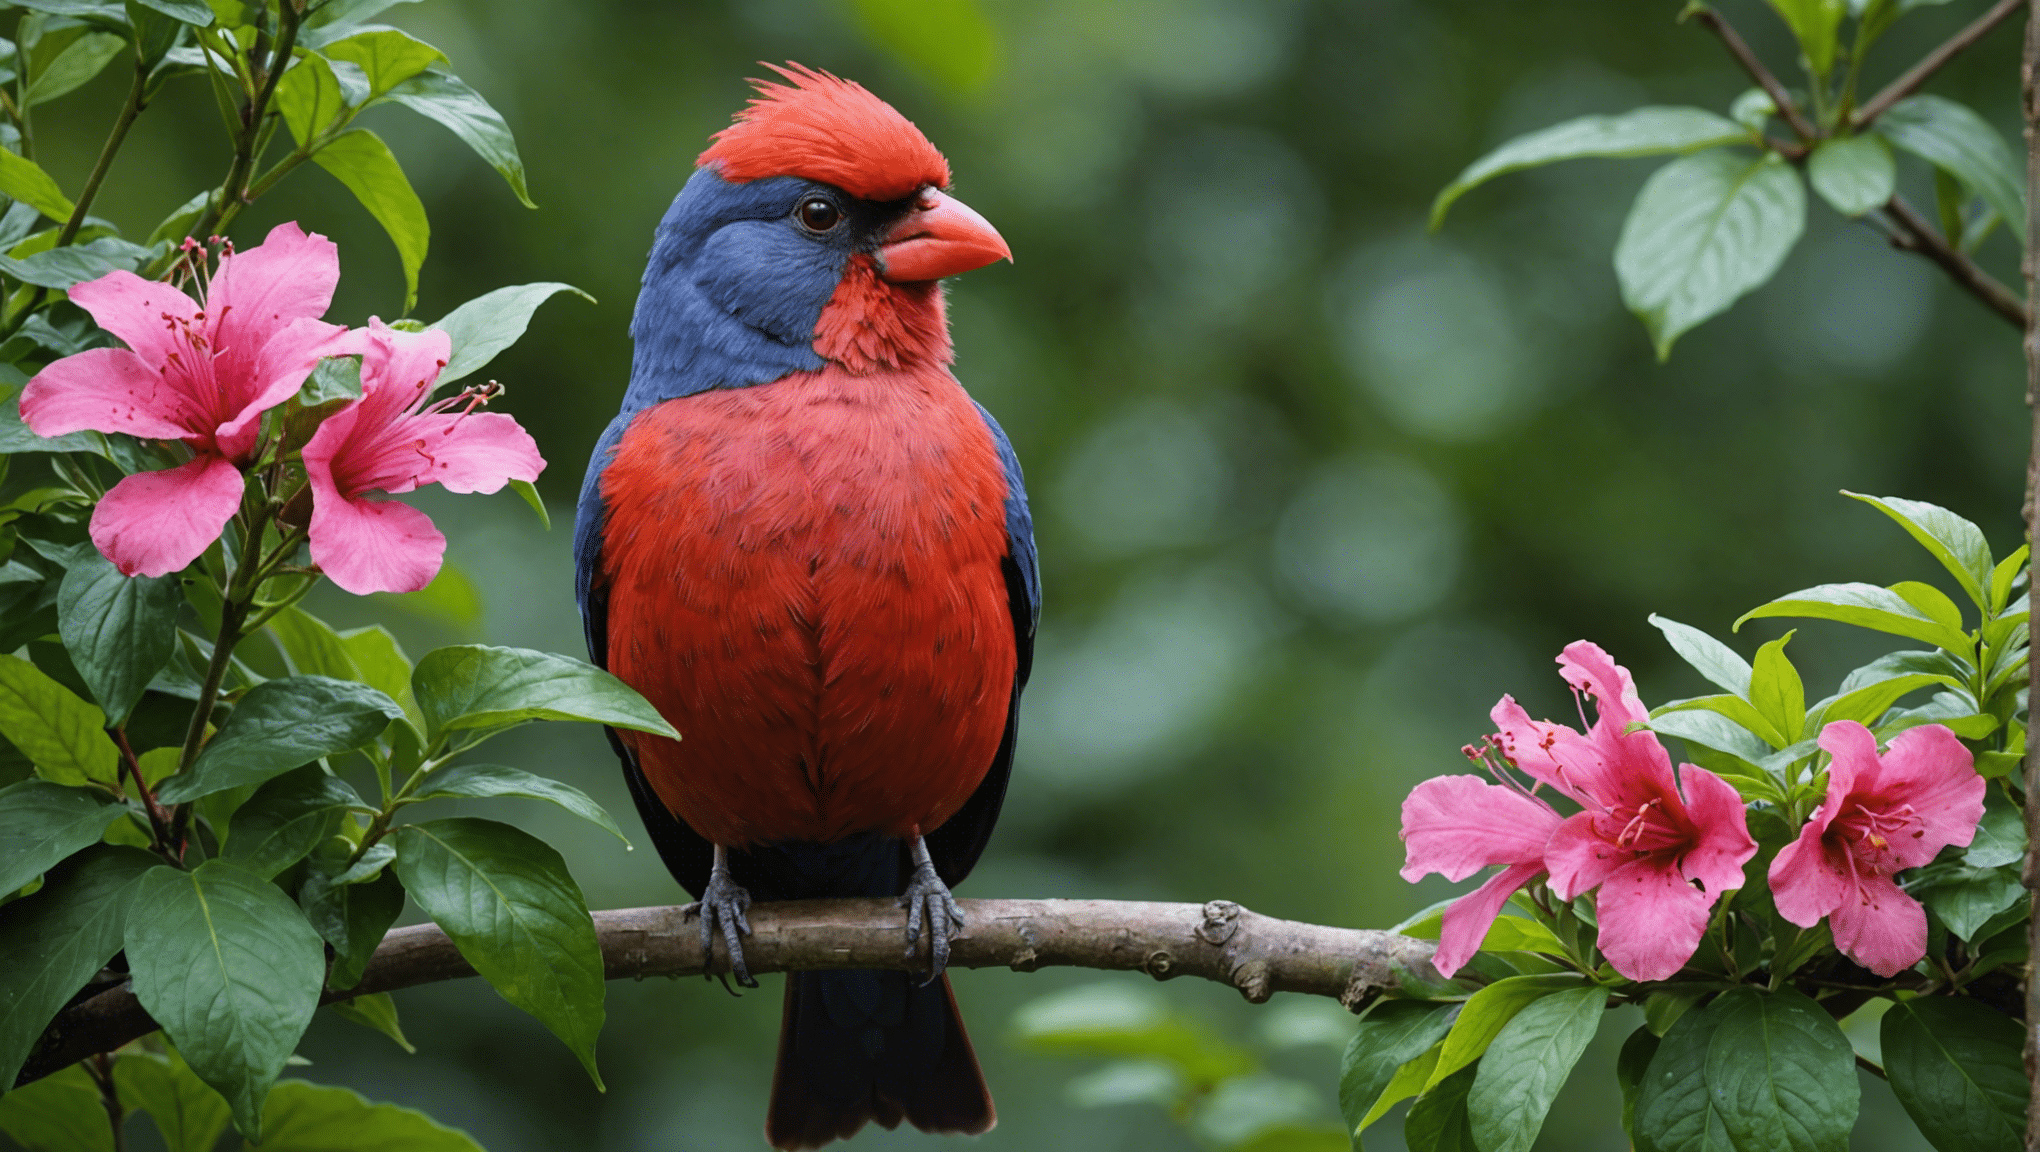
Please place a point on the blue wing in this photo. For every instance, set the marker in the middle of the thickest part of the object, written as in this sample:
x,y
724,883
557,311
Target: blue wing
x,y
956,846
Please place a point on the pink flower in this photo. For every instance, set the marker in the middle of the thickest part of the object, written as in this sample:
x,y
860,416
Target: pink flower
x,y
391,441
1457,825
198,372
1659,858
1882,815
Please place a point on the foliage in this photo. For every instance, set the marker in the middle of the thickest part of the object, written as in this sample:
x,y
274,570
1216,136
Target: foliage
x,y
238,842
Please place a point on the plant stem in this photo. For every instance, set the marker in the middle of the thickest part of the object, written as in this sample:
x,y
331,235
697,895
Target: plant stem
x,y
1788,110
1933,62
2029,92
227,201
128,112
1915,233
100,1068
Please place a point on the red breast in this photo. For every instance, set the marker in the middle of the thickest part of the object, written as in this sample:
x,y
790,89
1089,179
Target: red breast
x,y
805,579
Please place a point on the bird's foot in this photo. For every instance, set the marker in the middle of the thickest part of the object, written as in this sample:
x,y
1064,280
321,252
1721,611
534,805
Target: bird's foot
x,y
723,905
928,901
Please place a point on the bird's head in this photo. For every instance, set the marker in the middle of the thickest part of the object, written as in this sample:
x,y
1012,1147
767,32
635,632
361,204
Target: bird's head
x,y
819,223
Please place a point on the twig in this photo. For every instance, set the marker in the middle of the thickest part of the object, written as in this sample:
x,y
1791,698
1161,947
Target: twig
x,y
1259,955
227,201
128,111
1932,62
1788,109
1914,233
2029,101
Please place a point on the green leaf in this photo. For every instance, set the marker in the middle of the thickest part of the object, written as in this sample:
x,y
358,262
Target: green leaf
x,y
303,1117
1966,898
1776,691
1751,1072
279,725
309,98
25,181
313,647
474,686
1526,1066
189,1114
1710,729
1952,136
360,160
444,97
1868,704
80,60
2000,835
352,917
1956,1067
59,1113
1864,606
1735,708
335,13
387,56
229,967
529,491
1394,1033
2004,576
1631,1065
375,1011
1710,657
450,599
1517,934
286,818
119,630
1814,23
64,267
1705,230
1932,603
189,11
1409,1081
1648,131
478,781
489,323
1958,544
42,823
1438,1121
506,900
1855,174
63,735
1486,1013
55,940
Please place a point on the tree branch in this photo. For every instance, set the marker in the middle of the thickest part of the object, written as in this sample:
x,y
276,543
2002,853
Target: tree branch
x,y
1914,233
1221,941
1789,110
1933,62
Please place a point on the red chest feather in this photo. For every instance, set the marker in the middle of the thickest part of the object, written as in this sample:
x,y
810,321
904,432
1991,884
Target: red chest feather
x,y
805,578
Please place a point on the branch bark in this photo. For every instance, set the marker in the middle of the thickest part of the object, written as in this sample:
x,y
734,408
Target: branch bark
x,y
2029,100
1737,47
1915,233
1933,62
1221,941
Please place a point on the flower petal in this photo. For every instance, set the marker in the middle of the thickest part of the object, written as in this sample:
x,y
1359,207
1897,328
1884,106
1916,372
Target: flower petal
x,y
1580,855
1466,922
1721,842
143,313
1651,919
1928,768
1588,668
374,545
289,276
272,376
1880,927
154,523
106,390
1808,879
1457,825
1552,753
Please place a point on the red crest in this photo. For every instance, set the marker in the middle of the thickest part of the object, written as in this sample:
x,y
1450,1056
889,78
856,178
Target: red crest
x,y
821,127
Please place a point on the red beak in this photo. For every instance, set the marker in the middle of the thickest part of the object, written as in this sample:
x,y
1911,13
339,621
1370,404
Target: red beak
x,y
941,237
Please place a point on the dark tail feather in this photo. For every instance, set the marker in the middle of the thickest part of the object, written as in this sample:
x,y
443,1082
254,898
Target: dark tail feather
x,y
859,1047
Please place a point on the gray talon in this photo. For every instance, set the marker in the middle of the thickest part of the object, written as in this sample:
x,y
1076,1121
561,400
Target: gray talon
x,y
724,905
928,901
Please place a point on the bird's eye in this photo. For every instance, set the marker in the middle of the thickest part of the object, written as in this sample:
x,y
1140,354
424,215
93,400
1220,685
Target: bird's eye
x,y
818,214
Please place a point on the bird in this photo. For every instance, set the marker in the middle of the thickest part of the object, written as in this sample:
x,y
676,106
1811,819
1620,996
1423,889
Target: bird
x,y
810,549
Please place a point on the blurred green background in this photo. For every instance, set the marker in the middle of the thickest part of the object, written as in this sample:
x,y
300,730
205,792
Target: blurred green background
x,y
1313,488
